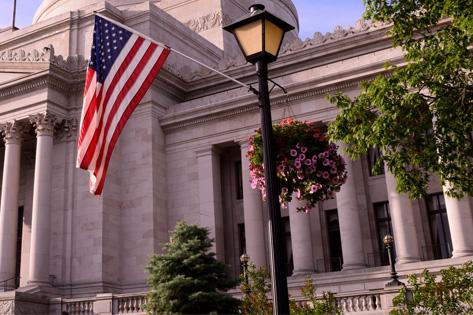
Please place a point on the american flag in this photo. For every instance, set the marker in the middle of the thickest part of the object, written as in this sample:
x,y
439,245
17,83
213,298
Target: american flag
x,y
122,67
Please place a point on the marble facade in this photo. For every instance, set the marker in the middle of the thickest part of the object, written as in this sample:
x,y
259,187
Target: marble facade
x,y
182,156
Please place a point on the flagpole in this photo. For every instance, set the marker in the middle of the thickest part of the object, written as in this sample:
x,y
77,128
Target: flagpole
x,y
249,87
14,15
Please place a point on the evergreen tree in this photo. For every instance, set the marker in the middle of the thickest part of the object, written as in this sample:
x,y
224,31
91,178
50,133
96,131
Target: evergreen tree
x,y
187,279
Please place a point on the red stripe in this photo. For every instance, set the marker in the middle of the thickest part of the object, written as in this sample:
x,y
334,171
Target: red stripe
x,y
128,85
117,77
86,120
126,115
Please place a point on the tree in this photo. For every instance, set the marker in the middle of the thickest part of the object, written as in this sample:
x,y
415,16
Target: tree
x,y
187,279
452,294
421,114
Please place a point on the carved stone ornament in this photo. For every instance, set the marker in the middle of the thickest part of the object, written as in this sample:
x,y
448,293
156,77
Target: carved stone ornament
x,y
12,132
211,20
71,63
67,129
44,123
7,307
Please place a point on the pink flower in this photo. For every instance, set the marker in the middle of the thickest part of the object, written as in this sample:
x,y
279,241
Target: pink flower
x,y
326,162
251,147
319,174
303,149
314,158
293,152
298,145
321,155
298,195
284,190
300,175
325,175
297,164
281,168
302,157
308,162
313,189
333,170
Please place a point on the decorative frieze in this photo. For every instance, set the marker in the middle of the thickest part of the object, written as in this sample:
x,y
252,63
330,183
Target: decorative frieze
x,y
21,55
209,21
44,123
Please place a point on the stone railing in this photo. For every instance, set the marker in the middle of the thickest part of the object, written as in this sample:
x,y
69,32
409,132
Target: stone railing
x,y
362,304
367,303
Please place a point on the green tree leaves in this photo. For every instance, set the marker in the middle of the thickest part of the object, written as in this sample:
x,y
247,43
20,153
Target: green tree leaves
x,y
421,114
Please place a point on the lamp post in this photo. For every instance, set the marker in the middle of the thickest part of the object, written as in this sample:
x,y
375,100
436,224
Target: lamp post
x,y
259,35
388,242
244,259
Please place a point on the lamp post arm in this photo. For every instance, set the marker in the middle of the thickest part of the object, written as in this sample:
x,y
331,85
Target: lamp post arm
x,y
275,229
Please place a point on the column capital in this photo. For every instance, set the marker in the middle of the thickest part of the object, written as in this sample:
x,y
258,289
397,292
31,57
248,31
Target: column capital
x,y
12,132
67,129
44,123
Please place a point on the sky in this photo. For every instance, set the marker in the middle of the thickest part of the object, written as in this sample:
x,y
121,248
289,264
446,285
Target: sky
x,y
314,15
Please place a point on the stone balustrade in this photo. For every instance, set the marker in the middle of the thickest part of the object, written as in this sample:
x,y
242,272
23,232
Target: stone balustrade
x,y
361,304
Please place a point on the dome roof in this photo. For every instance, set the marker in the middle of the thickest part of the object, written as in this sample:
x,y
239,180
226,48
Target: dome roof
x,y
50,8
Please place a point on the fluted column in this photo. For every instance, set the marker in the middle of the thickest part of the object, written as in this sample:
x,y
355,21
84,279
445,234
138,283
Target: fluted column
x,y
349,219
403,222
40,224
301,240
253,215
9,202
460,220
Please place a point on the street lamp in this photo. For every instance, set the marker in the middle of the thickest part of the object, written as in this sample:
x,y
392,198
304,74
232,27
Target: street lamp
x,y
259,35
388,242
244,259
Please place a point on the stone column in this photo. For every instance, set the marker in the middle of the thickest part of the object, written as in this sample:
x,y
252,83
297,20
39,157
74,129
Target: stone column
x,y
403,223
460,220
349,219
300,239
9,202
210,196
40,224
253,215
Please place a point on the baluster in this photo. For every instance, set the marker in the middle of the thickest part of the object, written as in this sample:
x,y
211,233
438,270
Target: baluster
x,y
363,303
378,302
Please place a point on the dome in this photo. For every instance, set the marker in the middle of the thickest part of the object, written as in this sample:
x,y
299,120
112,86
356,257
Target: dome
x,y
285,9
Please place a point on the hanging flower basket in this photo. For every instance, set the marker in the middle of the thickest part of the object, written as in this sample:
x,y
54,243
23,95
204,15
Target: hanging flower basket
x,y
307,164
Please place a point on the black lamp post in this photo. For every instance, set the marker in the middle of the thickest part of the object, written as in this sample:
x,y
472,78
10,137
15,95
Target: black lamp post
x,y
260,35
244,259
388,242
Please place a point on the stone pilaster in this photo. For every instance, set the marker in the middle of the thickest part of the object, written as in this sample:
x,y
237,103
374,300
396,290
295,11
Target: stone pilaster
x,y
253,215
210,196
9,203
405,227
44,125
301,240
349,219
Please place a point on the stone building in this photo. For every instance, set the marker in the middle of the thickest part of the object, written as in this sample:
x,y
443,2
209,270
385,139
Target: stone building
x,y
182,156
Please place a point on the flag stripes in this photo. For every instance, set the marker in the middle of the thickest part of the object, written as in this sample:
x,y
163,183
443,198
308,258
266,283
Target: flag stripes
x,y
127,71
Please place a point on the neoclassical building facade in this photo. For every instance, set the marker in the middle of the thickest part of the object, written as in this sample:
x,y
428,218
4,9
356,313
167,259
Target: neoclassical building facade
x,y
182,157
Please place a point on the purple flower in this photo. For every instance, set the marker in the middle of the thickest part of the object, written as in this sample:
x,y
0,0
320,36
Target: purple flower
x,y
303,149
321,155
281,168
300,175
293,152
297,164
325,175
302,157
308,162
314,158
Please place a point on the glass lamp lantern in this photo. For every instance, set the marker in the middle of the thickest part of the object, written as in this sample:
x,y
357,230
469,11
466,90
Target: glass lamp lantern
x,y
259,34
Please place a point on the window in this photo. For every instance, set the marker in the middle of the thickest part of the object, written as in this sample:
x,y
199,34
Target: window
x,y
441,246
335,261
373,156
288,246
384,227
238,181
